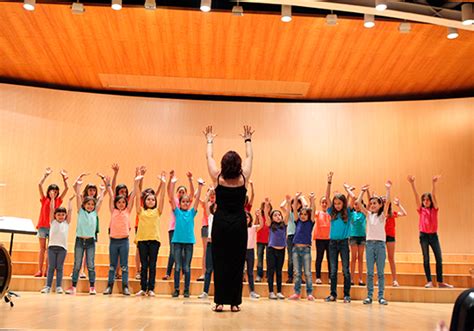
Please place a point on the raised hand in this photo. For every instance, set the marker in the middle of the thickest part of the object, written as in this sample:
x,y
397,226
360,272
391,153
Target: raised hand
x,y
48,171
83,175
411,179
115,167
365,187
247,132
64,174
436,178
396,201
174,179
347,186
139,178
162,177
143,170
189,174
200,181
312,196
287,197
101,175
388,184
208,134
330,174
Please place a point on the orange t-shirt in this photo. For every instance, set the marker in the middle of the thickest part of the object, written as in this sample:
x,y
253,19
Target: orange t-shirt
x,y
44,221
323,225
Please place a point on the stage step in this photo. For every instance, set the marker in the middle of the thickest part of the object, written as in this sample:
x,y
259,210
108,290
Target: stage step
x,y
401,294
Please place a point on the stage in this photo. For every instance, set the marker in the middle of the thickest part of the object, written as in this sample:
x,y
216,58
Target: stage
x,y
40,311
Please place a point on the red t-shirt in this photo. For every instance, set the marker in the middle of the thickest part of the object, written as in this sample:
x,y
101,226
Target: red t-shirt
x,y
428,220
323,225
44,221
390,225
263,233
248,207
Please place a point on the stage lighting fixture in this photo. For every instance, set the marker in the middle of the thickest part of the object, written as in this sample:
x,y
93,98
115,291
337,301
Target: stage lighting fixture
x,y
29,4
286,13
452,33
369,21
116,4
205,5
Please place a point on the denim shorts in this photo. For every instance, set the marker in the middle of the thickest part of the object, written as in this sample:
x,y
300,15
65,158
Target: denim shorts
x,y
43,233
357,241
205,232
390,239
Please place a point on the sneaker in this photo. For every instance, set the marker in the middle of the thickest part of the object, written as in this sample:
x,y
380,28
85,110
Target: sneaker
x,y
71,290
166,277
294,296
367,301
203,295
303,281
347,299
82,275
395,284
280,296
244,280
361,283
330,299
290,280
92,291
151,293
352,283
272,296
39,273
254,295
59,290
175,294
310,297
429,285
382,301
186,294
107,291
258,279
318,281
137,276
126,291
140,293
46,290
200,278
445,285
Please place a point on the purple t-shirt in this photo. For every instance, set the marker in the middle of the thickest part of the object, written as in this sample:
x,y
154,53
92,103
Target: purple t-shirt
x,y
303,232
277,237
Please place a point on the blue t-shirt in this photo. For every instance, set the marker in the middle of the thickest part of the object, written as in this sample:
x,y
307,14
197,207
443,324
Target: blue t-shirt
x,y
184,229
339,228
291,224
357,224
277,237
303,232
86,223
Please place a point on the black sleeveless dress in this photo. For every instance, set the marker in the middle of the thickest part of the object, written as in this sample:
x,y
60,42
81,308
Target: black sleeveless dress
x,y
229,244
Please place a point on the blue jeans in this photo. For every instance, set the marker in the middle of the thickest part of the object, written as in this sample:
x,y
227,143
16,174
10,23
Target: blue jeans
x,y
171,256
118,247
148,250
302,259
84,246
289,247
341,247
375,254
250,260
56,257
427,240
184,264
209,268
261,248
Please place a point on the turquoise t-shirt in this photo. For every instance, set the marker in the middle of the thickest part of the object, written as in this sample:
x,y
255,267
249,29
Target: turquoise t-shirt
x,y
86,223
357,224
184,229
339,228
291,229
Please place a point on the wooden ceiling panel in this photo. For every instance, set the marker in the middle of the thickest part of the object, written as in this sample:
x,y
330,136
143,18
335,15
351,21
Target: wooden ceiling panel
x,y
52,46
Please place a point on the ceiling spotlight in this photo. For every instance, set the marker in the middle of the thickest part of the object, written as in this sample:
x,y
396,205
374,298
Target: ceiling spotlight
x,y
285,13
331,19
369,21
205,5
467,15
452,33
77,8
404,27
380,5
150,4
116,4
238,11
29,4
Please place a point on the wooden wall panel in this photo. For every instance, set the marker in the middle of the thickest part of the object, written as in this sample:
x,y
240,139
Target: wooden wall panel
x,y
295,146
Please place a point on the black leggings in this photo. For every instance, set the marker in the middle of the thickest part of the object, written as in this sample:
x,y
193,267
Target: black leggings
x,y
322,245
250,260
275,260
428,240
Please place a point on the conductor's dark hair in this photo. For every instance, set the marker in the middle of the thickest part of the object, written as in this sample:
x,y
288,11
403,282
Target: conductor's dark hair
x,y
231,165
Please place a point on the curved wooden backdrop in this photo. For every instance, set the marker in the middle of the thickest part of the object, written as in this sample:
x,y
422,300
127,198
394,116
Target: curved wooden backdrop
x,y
295,146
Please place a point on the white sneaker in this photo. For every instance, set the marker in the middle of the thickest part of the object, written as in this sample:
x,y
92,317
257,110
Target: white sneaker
x,y
92,291
151,293
46,290
203,295
71,290
140,293
280,296
59,290
319,281
254,295
272,296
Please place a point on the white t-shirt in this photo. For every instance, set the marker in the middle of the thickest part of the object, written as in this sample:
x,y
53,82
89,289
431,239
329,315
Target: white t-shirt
x,y
58,234
375,226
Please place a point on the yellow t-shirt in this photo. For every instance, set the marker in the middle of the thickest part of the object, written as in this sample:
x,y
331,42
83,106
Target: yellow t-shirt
x,y
148,225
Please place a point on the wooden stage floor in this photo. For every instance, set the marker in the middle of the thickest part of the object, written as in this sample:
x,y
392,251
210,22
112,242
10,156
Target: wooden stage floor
x,y
39,311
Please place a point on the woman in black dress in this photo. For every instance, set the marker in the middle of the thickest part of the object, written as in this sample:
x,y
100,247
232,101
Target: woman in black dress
x,y
229,229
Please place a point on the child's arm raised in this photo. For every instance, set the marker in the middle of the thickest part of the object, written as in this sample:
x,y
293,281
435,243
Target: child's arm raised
x,y
139,195
312,205
247,164
172,184
295,204
52,207
69,210
266,211
388,186
328,187
198,193
66,187
47,172
161,197
411,180
206,204
168,187
433,191
258,220
350,194
211,163
108,187
252,193
115,168
77,190
359,199
192,193
402,211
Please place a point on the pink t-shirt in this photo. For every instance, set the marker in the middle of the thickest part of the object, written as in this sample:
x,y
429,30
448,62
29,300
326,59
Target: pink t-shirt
x,y
252,235
205,221
428,220
323,225
172,223
119,224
